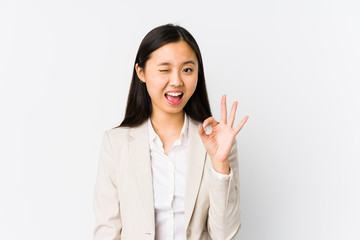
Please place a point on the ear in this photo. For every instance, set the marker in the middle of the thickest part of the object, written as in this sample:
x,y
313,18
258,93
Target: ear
x,y
140,73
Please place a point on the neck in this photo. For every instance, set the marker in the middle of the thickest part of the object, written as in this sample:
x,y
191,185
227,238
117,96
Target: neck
x,y
163,123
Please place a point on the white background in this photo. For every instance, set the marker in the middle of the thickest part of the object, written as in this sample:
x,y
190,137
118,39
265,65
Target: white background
x,y
294,67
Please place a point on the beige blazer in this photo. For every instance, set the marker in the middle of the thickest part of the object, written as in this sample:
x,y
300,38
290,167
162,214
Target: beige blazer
x,y
123,198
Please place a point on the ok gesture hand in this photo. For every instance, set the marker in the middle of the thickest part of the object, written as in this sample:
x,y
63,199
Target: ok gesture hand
x,y
218,143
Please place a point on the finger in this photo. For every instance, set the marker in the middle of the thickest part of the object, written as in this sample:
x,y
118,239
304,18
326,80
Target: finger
x,y
210,121
202,132
241,124
223,114
232,114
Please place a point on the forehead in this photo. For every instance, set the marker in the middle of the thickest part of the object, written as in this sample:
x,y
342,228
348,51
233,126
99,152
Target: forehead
x,y
173,53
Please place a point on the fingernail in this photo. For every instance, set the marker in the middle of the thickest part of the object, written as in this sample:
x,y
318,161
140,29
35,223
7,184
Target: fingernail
x,y
208,129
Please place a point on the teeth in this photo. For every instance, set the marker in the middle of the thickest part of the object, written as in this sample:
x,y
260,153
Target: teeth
x,y
174,94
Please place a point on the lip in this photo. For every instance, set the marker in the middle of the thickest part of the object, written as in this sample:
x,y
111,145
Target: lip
x,y
175,91
174,103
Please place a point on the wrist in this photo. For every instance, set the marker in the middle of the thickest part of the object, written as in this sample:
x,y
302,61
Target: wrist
x,y
221,167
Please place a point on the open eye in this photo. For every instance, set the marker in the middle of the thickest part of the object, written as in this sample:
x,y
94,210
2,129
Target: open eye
x,y
187,70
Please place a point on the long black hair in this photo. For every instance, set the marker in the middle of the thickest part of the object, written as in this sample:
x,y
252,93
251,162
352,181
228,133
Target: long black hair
x,y
138,108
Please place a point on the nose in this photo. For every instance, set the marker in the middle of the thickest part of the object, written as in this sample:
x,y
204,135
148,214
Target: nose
x,y
175,79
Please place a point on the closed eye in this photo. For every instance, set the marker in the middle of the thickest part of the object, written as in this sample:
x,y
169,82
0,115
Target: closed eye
x,y
163,70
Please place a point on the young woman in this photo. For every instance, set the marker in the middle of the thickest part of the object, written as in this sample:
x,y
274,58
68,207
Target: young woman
x,y
160,174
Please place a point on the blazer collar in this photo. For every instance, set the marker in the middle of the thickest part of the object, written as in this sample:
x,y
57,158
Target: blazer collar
x,y
140,157
194,170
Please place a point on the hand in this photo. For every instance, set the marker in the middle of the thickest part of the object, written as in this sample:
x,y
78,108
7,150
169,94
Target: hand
x,y
218,143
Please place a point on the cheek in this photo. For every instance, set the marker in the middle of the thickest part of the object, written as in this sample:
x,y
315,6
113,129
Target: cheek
x,y
192,84
152,90
155,87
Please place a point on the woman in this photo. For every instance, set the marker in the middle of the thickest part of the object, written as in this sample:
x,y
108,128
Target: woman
x,y
160,174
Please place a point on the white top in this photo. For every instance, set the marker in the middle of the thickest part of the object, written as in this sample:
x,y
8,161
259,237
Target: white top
x,y
168,174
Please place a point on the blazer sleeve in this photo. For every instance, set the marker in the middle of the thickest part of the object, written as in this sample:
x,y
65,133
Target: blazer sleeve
x,y
106,203
224,217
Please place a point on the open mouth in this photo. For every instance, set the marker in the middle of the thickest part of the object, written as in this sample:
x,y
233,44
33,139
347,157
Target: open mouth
x,y
174,97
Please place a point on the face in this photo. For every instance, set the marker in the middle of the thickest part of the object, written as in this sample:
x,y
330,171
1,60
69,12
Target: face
x,y
170,75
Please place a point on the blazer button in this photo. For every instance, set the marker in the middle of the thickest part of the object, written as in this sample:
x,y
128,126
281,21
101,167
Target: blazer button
x,y
188,233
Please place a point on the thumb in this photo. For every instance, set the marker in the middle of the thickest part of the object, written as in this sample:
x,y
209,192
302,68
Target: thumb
x,y
202,132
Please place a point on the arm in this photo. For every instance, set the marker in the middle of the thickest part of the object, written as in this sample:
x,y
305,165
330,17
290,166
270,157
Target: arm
x,y
220,143
106,202
224,217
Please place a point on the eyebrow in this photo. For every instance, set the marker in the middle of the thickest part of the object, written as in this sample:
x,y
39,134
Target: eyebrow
x,y
167,64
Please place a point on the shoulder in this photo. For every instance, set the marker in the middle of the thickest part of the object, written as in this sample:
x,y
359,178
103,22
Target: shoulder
x,y
118,132
124,134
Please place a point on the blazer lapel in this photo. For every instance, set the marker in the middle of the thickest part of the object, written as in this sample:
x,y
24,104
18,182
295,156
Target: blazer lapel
x,y
194,170
140,158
